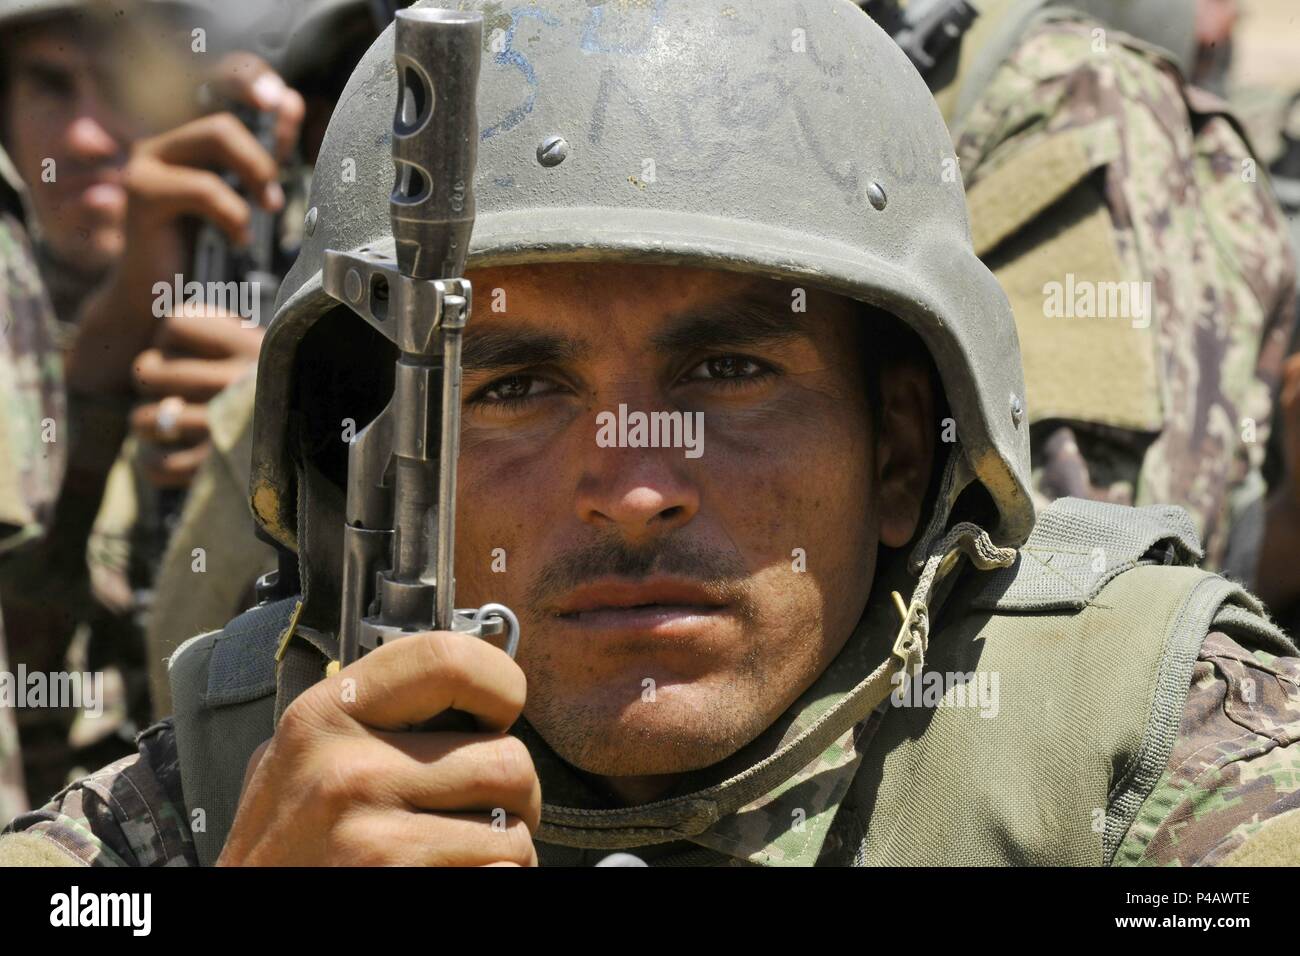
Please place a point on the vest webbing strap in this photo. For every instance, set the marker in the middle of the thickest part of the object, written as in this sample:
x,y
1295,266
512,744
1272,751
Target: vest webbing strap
x,y
1173,679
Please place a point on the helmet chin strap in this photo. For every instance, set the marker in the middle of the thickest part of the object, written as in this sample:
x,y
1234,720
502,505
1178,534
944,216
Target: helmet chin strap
x,y
964,538
957,477
936,554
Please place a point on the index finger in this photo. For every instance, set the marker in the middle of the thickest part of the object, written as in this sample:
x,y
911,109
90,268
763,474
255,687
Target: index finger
x,y
246,78
208,333
406,681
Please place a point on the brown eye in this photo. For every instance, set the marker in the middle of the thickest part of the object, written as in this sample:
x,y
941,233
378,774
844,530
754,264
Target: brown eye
x,y
513,388
727,367
731,366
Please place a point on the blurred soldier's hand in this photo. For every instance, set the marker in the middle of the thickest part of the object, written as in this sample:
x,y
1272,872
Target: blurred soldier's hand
x,y
194,356
345,782
170,177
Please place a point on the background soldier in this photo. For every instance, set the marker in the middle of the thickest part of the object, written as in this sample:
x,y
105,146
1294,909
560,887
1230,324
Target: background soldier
x,y
117,205
214,535
1091,166
43,84
1120,735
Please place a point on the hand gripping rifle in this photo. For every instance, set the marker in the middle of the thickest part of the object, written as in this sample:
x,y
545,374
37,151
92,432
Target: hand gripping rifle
x,y
399,536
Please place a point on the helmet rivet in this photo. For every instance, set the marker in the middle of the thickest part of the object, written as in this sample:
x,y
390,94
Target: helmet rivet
x,y
352,285
876,195
1017,410
309,224
552,151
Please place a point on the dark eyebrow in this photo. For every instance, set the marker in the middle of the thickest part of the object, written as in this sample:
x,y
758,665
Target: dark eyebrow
x,y
44,71
495,347
737,322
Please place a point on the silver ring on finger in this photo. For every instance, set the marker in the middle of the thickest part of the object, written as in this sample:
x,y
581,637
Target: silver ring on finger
x,y
169,418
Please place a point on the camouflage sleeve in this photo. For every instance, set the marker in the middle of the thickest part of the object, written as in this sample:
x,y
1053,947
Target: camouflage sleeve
x,y
1235,767
130,813
1248,225
32,459
55,447
31,467
1191,215
13,793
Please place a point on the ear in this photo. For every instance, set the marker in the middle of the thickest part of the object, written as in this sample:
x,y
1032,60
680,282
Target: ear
x,y
904,450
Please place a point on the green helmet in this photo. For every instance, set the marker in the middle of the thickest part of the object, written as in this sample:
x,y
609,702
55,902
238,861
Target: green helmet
x,y
792,141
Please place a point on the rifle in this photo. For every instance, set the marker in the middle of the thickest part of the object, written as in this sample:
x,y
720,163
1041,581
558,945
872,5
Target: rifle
x,y
925,29
399,535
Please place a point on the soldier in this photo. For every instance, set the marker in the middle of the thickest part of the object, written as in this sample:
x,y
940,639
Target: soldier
x,y
214,535
109,207
35,433
715,669
1139,242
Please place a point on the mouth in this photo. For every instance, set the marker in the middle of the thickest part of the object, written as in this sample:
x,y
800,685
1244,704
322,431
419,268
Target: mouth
x,y
656,605
97,189
103,195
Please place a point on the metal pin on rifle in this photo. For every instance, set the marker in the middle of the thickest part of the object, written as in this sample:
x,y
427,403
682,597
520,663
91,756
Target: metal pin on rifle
x,y
400,534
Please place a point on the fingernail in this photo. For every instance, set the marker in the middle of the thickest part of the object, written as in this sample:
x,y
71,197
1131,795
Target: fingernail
x,y
267,90
273,197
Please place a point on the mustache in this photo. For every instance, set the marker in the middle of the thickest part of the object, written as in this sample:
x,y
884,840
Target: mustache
x,y
721,573
107,170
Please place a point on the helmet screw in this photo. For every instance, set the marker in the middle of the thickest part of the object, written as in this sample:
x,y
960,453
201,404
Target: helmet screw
x,y
309,224
552,151
352,285
876,195
1017,410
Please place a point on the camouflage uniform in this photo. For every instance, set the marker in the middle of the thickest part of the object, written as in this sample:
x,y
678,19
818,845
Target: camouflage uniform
x,y
44,579
31,469
49,590
1118,171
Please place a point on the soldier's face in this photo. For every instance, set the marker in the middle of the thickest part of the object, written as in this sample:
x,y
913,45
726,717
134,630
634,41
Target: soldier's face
x,y
68,140
675,599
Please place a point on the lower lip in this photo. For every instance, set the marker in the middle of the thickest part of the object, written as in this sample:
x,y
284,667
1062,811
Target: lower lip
x,y
103,196
653,618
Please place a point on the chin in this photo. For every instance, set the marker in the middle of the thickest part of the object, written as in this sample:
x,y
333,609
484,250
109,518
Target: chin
x,y
89,247
103,249
673,734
